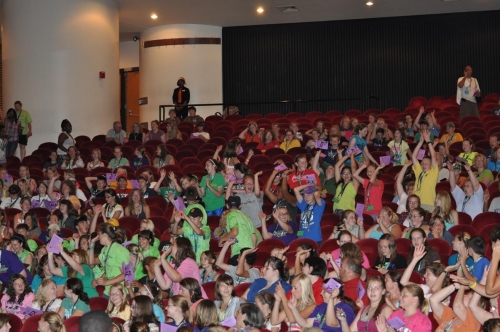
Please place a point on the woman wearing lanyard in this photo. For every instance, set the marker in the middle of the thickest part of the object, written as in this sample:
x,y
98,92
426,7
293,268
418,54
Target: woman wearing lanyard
x,y
426,173
118,160
111,258
469,154
374,188
46,297
163,158
211,188
76,302
347,187
469,199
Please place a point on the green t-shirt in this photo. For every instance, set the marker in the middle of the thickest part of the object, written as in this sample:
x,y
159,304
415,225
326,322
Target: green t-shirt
x,y
70,308
135,240
25,118
329,185
486,174
200,243
114,163
86,279
211,201
237,219
111,259
165,191
32,245
151,252
138,271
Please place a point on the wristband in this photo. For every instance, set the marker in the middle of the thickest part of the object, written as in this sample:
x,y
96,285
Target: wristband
x,y
473,285
92,245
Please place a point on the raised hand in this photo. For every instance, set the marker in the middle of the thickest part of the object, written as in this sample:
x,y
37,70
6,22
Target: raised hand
x,y
419,252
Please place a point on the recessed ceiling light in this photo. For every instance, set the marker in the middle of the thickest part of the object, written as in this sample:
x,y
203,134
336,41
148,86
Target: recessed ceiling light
x,y
154,16
369,3
260,10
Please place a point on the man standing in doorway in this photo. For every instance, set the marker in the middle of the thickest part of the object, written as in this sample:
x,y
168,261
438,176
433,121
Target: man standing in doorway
x,y
467,91
25,119
180,98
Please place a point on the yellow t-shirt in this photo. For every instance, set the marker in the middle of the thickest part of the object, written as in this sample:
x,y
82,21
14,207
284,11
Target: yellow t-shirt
x,y
285,146
425,184
456,137
345,199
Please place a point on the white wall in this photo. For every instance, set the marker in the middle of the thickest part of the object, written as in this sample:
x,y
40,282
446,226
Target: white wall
x,y
200,65
53,52
129,54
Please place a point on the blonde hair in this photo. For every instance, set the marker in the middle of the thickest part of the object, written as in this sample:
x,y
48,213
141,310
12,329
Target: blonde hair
x,y
307,298
84,259
41,294
99,156
416,290
443,211
150,226
54,320
124,303
392,214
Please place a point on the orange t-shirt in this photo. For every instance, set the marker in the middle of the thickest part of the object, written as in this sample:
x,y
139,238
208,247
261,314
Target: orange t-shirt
x,y
457,325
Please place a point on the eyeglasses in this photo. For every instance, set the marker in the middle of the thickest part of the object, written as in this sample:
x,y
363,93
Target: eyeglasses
x,y
18,284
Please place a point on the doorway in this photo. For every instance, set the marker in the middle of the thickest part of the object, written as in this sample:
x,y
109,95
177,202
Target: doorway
x,y
130,111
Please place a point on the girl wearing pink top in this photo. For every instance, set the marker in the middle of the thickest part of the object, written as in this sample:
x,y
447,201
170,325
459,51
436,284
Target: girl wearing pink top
x,y
414,314
18,296
183,266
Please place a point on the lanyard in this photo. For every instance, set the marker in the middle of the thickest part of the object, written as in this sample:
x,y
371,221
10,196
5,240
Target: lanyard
x,y
307,216
73,308
420,179
50,303
13,203
106,259
342,190
368,190
466,200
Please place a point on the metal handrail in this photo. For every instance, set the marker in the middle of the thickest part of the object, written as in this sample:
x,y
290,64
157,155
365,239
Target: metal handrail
x,y
162,108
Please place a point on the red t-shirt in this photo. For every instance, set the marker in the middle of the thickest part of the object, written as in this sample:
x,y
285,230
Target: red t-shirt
x,y
299,178
373,197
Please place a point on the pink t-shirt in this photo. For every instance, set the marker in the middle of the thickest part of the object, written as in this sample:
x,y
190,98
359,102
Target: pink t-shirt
x,y
336,253
15,308
416,323
187,269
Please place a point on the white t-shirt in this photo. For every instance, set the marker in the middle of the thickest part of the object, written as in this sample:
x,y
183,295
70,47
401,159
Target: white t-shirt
x,y
402,203
467,91
204,134
54,306
495,205
473,206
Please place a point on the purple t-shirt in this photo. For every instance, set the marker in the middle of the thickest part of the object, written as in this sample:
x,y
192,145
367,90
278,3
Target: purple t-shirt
x,y
9,265
319,315
278,233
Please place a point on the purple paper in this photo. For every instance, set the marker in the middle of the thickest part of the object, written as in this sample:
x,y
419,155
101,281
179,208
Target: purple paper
x,y
135,184
35,204
359,210
460,160
323,145
7,177
229,322
110,177
232,178
338,261
126,243
53,244
396,323
179,204
421,154
240,150
128,271
194,136
27,311
360,290
331,285
386,160
355,150
281,167
310,178
167,328
51,205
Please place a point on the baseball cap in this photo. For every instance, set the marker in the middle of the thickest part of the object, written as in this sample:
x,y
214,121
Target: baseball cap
x,y
234,201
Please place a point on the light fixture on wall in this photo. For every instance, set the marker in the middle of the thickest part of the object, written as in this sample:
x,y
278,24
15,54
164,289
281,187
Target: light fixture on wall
x,y
154,16
136,38
260,10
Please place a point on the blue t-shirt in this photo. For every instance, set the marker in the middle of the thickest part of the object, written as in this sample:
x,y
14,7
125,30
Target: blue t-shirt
x,y
159,314
477,268
9,265
138,162
319,315
37,281
278,233
494,166
260,283
310,220
360,143
453,260
447,236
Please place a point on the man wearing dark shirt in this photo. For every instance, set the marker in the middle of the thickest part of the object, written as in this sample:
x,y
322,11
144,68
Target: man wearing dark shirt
x,y
180,98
